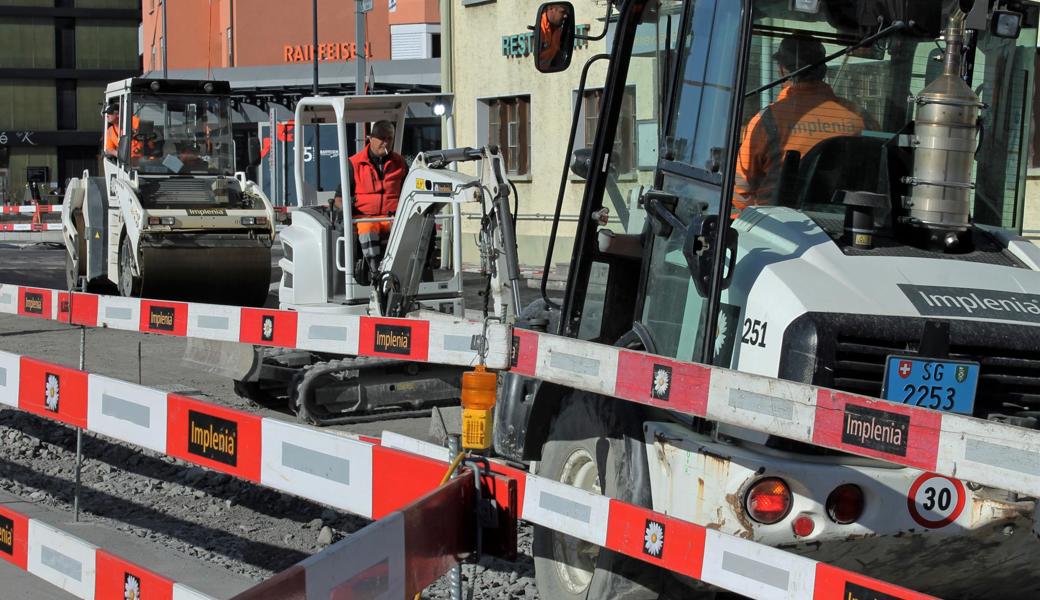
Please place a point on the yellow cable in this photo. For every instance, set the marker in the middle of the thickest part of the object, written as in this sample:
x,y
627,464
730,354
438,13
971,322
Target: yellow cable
x,y
447,475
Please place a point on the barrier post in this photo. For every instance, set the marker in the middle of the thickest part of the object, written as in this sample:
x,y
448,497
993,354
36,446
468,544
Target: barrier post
x,y
455,575
79,430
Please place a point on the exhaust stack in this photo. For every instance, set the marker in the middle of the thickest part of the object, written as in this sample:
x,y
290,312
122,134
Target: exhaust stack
x,y
944,147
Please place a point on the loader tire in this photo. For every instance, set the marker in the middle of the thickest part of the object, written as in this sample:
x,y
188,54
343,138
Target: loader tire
x,y
129,285
596,444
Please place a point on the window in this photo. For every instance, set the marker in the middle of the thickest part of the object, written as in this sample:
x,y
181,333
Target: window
x,y
509,127
624,158
435,45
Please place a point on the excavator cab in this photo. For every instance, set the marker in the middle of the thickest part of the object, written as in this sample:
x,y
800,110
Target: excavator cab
x,y
323,268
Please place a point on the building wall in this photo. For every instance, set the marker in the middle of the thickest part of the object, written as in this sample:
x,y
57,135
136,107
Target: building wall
x,y
258,32
52,67
481,39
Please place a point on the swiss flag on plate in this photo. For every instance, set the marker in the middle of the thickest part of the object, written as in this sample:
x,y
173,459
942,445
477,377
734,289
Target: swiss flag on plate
x,y
905,367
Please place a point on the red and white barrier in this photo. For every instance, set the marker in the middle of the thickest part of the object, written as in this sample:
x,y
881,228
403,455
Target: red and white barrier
x,y
326,466
374,480
986,452
441,339
30,226
30,209
78,567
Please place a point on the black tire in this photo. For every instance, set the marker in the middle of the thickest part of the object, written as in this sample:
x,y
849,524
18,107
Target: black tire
x,y
609,433
129,285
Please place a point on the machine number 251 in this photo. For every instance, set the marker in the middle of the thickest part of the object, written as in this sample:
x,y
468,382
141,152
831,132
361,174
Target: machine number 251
x,y
754,332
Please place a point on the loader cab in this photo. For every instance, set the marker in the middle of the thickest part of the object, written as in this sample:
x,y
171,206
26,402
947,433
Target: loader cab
x,y
700,74
323,268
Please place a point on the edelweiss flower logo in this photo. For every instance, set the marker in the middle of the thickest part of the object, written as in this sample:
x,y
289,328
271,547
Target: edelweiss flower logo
x,y
52,392
653,538
720,334
268,328
131,588
661,386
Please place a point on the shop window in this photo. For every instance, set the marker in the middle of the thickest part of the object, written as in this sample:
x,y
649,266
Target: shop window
x,y
509,127
625,141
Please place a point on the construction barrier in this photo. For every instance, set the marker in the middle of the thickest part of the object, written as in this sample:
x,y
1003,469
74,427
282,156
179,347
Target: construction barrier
x,y
30,226
31,209
440,339
78,567
985,452
377,481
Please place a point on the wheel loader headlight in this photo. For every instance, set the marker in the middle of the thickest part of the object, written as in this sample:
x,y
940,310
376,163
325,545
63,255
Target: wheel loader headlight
x,y
439,109
254,220
162,221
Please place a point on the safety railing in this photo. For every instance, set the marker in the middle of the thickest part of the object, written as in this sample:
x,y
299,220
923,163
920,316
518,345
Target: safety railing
x,y
386,477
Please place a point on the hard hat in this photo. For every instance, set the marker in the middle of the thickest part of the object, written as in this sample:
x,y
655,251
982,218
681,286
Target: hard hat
x,y
111,107
799,51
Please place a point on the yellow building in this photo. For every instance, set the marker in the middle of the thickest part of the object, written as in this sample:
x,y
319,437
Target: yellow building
x,y
500,98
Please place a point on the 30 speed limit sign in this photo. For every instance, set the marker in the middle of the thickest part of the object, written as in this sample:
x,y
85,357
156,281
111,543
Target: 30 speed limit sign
x,y
935,501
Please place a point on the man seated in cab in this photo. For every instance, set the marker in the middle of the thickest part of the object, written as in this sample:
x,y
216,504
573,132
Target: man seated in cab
x,y
376,176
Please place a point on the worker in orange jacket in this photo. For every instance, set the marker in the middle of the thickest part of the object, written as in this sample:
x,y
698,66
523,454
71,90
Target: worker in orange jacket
x,y
551,35
376,176
113,132
806,113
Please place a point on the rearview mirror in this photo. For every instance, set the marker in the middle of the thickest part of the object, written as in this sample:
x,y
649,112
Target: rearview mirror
x,y
123,150
554,37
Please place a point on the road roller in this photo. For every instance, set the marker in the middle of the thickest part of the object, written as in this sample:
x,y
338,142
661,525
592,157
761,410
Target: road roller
x,y
171,218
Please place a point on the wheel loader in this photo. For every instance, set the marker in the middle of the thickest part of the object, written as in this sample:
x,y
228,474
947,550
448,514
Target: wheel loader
x,y
170,218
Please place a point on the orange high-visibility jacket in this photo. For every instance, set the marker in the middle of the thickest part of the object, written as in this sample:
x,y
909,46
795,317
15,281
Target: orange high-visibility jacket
x,y
551,39
805,114
375,195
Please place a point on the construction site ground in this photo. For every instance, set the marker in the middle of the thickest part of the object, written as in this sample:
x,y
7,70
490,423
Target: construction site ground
x,y
175,510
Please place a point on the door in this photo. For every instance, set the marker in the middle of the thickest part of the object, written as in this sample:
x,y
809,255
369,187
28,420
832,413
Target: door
x,y
694,171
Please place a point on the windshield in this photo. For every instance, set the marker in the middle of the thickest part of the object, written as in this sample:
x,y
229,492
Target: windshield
x,y
862,98
181,135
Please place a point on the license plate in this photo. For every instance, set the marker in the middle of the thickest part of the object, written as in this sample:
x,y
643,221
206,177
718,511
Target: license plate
x,y
943,385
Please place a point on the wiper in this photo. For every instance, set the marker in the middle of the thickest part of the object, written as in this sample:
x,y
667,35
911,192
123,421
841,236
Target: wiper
x,y
883,33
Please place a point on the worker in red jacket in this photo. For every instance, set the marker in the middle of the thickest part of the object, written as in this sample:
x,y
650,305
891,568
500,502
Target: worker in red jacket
x,y
376,176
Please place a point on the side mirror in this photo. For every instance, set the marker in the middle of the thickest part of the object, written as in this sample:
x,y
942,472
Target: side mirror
x,y
581,160
253,150
123,151
554,37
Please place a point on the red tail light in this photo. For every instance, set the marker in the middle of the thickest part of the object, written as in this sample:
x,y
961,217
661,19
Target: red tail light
x,y
768,501
845,504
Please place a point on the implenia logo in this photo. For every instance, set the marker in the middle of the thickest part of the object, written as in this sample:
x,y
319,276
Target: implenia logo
x,y
879,430
213,438
267,328
161,318
131,587
51,391
6,536
661,386
393,339
33,303
653,538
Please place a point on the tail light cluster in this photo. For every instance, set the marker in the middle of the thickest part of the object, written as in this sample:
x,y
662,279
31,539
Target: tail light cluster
x,y
769,501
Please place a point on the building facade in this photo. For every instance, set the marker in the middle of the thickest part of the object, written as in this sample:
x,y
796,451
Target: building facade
x,y
500,98
56,56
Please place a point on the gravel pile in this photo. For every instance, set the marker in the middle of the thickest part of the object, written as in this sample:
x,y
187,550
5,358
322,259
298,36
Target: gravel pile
x,y
245,528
